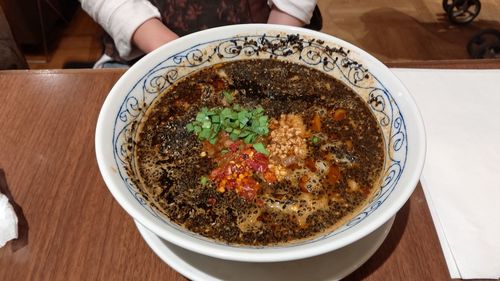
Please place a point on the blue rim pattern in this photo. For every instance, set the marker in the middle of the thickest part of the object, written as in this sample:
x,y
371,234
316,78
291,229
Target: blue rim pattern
x,y
335,61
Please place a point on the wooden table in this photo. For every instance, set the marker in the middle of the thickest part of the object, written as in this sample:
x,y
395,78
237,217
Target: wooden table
x,y
71,228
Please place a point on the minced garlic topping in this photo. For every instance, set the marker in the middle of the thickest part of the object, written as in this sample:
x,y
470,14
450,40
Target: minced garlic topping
x,y
288,143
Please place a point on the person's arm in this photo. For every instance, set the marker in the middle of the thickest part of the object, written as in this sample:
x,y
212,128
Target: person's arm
x,y
291,12
121,19
151,35
277,16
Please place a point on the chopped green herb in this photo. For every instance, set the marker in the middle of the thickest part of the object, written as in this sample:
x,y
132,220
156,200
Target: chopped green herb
x,y
239,122
315,140
262,120
216,119
205,133
216,127
206,124
228,97
244,134
259,147
234,115
234,136
203,180
249,138
201,116
225,113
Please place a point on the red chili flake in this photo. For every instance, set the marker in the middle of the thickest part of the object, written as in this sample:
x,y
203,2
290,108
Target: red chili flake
x,y
333,175
311,164
259,202
217,174
257,166
258,162
270,177
211,201
260,157
234,146
237,169
248,188
231,184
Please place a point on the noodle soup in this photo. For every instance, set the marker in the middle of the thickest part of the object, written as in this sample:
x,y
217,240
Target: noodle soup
x,y
258,152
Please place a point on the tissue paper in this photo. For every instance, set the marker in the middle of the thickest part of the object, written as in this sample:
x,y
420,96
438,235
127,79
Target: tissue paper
x,y
461,178
8,221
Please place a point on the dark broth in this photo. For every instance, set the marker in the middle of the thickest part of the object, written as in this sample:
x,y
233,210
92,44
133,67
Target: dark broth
x,y
325,154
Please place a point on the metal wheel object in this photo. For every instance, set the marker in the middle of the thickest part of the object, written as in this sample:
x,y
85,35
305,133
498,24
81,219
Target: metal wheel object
x,y
462,11
485,44
447,4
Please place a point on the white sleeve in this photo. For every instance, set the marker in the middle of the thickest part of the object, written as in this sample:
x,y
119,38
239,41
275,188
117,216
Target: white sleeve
x,y
120,19
301,9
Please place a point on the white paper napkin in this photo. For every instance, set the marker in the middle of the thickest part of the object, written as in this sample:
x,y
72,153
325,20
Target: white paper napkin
x,y
8,221
461,177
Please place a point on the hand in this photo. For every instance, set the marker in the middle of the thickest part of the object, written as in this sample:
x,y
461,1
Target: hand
x,y
277,16
152,34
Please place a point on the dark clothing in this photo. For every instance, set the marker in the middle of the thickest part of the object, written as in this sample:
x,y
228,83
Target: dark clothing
x,y
187,16
10,56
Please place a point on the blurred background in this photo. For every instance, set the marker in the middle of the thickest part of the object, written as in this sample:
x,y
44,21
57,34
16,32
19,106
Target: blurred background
x,y
54,34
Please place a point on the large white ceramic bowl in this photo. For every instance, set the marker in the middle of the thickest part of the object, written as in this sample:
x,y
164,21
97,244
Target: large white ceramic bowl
x,y
386,96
